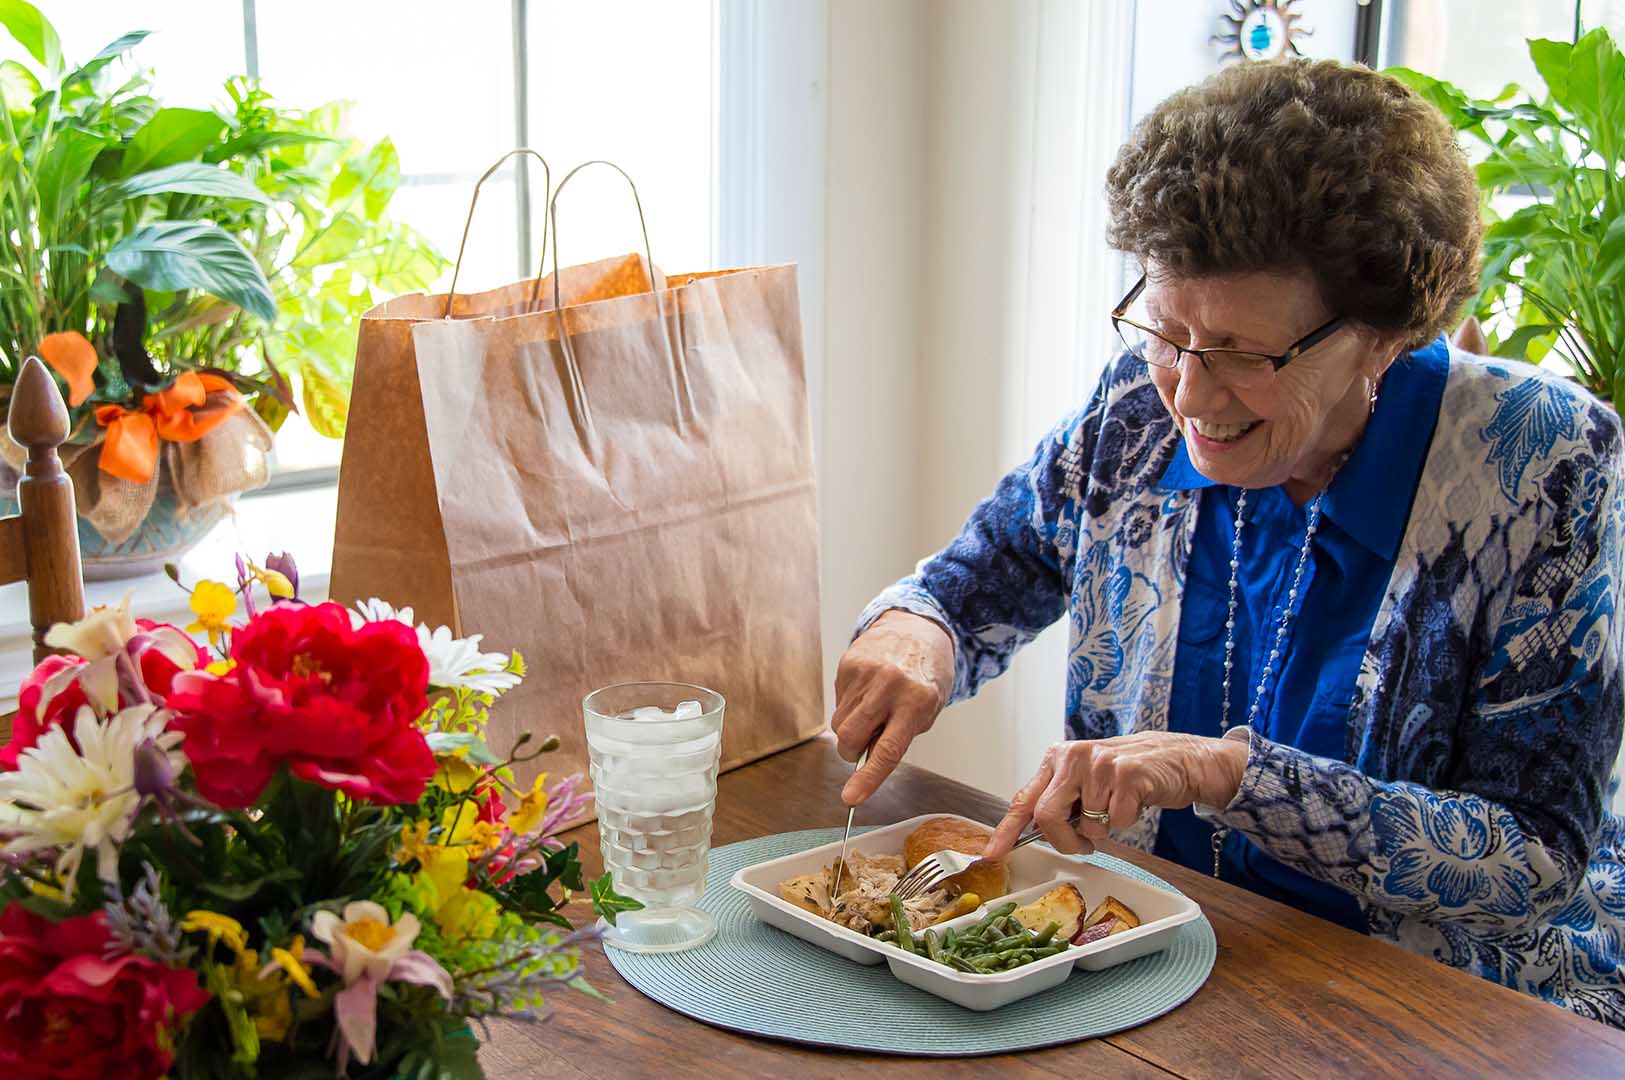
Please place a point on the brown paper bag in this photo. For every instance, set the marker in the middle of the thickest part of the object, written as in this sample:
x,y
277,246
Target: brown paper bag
x,y
629,500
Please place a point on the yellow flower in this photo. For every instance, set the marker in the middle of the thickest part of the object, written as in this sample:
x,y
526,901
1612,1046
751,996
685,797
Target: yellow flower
x,y
221,667
219,928
212,603
463,828
288,960
275,581
414,843
532,809
455,772
459,912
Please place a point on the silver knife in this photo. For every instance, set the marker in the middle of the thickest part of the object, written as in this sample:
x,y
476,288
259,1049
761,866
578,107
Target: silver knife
x,y
840,867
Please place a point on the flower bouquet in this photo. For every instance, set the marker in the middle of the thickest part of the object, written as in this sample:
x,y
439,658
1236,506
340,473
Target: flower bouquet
x,y
293,856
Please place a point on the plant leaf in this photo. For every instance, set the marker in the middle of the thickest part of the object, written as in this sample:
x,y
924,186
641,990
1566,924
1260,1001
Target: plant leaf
x,y
33,31
445,742
63,166
194,255
171,135
189,178
1611,254
252,142
327,406
607,903
18,88
1516,346
109,53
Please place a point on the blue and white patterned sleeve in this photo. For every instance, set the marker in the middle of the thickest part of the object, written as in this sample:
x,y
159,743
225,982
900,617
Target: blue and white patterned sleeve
x,y
1003,579
1505,841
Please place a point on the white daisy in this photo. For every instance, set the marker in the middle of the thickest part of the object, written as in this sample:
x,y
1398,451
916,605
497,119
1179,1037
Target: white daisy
x,y
453,662
458,662
376,610
71,800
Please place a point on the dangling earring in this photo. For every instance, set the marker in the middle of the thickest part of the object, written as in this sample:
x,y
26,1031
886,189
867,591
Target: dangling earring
x,y
1374,384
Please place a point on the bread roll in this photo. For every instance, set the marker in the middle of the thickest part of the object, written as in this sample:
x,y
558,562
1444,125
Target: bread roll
x,y
987,880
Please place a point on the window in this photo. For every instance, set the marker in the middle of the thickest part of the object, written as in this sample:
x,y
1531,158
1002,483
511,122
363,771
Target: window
x,y
1477,46
629,81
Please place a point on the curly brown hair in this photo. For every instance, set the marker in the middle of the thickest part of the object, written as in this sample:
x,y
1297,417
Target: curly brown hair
x,y
1306,163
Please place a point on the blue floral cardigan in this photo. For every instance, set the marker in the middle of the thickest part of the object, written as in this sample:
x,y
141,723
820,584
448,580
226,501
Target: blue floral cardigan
x,y
1470,813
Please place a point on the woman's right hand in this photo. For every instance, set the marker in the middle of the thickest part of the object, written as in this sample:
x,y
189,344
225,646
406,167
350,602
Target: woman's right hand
x,y
889,687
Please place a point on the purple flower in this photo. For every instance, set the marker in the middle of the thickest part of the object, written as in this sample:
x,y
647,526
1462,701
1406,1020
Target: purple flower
x,y
283,564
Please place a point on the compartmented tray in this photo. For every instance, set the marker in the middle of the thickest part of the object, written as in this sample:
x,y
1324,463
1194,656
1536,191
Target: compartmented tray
x,y
1033,871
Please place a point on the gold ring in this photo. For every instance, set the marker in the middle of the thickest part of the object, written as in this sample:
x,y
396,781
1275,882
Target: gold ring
x,y
1101,816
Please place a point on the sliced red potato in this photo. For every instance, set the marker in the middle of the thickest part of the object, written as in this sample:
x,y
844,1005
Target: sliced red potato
x,y
1062,904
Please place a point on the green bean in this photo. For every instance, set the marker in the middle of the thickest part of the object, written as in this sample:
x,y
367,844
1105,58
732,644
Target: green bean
x,y
959,964
1047,933
933,948
949,941
999,912
1010,942
900,923
886,935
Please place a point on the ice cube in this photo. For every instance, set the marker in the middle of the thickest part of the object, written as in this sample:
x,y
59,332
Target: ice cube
x,y
688,710
650,712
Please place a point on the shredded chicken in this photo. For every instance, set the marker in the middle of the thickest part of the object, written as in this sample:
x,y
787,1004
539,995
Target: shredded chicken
x,y
864,903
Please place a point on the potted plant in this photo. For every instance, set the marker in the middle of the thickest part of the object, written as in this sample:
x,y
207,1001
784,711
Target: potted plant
x,y
1553,282
295,856
191,276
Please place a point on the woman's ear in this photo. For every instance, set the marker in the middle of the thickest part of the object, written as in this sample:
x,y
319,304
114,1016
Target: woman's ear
x,y
1381,350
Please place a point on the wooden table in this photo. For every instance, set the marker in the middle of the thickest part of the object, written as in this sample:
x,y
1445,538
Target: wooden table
x,y
1290,994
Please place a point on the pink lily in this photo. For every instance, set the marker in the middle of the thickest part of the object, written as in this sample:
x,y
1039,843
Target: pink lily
x,y
367,951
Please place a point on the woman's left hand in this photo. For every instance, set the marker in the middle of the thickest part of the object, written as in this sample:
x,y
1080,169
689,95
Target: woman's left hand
x,y
1120,776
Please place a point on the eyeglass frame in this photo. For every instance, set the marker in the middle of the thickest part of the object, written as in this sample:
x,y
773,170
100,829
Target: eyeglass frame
x,y
1277,360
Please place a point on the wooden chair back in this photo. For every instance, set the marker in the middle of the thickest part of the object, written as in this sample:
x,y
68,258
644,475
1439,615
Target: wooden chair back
x,y
40,545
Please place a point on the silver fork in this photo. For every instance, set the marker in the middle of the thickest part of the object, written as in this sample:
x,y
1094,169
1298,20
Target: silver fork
x,y
938,866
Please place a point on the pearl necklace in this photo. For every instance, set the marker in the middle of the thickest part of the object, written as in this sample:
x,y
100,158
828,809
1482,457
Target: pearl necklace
x,y
1285,621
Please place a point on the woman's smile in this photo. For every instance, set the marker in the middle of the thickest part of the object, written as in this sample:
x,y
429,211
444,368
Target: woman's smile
x,y
1213,437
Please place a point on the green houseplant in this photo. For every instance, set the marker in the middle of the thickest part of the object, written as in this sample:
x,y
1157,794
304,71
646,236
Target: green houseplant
x,y
1553,283
192,275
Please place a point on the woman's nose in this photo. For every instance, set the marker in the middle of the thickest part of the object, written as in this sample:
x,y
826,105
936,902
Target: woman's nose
x,y
1198,392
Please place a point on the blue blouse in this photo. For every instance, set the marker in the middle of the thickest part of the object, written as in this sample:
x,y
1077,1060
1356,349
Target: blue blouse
x,y
1306,704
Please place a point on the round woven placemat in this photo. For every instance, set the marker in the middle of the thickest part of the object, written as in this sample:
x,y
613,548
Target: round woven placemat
x,y
755,979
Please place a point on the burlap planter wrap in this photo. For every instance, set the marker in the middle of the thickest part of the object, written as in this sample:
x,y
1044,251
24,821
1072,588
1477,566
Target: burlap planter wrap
x,y
203,476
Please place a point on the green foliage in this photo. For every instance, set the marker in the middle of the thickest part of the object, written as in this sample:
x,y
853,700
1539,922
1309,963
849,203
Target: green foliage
x,y
1553,282
260,234
608,903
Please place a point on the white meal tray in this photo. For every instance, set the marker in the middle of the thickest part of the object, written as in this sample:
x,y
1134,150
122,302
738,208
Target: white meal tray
x,y
1034,870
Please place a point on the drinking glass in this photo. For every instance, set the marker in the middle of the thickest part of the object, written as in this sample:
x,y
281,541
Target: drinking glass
x,y
654,749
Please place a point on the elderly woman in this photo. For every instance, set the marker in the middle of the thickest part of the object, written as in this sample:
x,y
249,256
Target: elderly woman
x,y
1343,601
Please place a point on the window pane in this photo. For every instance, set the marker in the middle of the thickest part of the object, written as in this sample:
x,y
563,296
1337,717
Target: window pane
x,y
1477,46
194,45
438,212
436,78
1605,13
629,81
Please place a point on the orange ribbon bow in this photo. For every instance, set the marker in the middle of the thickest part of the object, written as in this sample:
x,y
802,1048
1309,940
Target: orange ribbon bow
x,y
192,407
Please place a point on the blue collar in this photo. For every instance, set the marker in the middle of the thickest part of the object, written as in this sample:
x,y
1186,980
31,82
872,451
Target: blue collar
x,y
1371,497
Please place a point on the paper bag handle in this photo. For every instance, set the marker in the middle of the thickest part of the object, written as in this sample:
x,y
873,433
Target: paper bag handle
x,y
547,199
678,376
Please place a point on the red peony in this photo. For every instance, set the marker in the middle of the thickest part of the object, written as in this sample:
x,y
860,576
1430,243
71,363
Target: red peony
x,y
338,704
69,1013
52,693
50,697
158,668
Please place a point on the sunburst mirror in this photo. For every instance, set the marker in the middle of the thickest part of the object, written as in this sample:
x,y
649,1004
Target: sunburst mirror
x,y
1261,30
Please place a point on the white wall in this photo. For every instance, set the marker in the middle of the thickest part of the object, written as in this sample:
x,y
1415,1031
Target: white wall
x,y
870,424
966,154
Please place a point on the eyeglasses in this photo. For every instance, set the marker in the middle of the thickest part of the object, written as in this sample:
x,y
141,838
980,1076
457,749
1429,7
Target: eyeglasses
x,y
1237,368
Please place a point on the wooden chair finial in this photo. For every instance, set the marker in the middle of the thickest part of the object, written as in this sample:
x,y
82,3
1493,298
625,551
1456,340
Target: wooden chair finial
x,y
38,417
